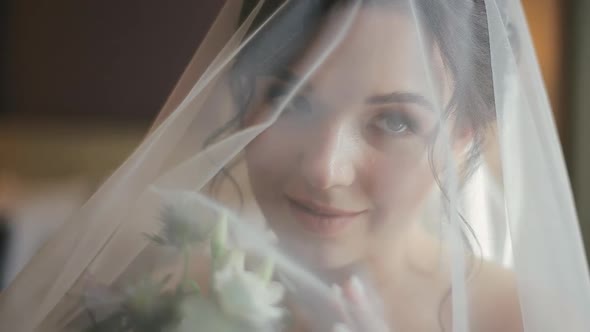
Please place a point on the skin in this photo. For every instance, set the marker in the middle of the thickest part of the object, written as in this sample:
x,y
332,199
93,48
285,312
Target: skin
x,y
355,140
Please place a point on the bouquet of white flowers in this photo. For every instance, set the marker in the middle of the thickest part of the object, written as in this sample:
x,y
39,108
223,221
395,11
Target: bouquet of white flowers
x,y
237,299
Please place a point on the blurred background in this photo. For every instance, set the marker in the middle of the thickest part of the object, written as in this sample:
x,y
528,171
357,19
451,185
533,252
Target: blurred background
x,y
82,81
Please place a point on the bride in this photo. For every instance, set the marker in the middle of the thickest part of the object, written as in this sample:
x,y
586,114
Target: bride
x,y
353,130
342,175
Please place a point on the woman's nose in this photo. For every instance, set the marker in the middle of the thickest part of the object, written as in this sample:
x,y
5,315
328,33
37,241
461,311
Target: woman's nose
x,y
328,156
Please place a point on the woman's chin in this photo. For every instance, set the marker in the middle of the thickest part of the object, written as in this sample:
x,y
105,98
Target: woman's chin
x,y
323,255
329,259
320,252
335,269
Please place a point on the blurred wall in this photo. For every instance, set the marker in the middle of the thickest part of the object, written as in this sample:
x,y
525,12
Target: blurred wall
x,y
546,22
82,80
578,104
101,58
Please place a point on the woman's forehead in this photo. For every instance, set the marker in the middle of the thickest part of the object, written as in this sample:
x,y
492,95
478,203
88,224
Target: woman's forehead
x,y
381,52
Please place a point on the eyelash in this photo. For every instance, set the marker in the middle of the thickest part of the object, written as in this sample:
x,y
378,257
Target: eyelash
x,y
276,93
406,123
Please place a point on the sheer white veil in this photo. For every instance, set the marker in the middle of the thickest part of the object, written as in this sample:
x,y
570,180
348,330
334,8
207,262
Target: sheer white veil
x,y
516,224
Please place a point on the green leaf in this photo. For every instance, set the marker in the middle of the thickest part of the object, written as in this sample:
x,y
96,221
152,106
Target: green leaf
x,y
157,239
266,270
219,240
194,287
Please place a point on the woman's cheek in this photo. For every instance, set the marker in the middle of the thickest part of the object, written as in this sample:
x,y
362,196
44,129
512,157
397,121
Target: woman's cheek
x,y
398,189
272,148
270,157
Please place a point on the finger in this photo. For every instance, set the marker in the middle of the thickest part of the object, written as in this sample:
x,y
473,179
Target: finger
x,y
365,314
341,328
357,294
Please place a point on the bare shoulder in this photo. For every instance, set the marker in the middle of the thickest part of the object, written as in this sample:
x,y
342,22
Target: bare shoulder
x,y
496,306
493,292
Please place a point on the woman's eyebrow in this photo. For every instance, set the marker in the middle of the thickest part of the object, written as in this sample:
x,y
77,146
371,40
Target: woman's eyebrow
x,y
401,97
288,77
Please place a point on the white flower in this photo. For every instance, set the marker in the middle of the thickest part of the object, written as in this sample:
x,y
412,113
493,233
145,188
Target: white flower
x,y
186,220
245,295
202,314
340,328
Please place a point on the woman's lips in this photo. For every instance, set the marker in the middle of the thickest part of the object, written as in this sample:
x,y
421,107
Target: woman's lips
x,y
321,219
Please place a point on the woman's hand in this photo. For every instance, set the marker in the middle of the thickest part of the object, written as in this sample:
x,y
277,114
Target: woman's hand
x,y
360,312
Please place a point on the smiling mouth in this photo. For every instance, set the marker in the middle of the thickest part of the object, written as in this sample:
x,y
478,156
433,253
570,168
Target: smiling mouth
x,y
321,219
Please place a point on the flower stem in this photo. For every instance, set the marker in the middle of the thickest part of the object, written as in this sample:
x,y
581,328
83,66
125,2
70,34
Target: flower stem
x,y
219,239
266,270
186,257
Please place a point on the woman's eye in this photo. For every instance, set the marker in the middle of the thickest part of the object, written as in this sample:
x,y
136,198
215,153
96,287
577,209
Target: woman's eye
x,y
277,94
393,123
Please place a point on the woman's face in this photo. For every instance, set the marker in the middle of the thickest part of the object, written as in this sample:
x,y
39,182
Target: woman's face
x,y
344,170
